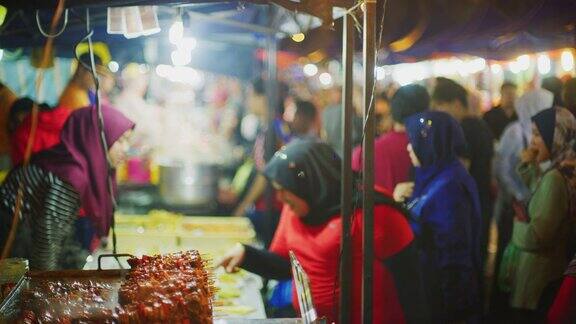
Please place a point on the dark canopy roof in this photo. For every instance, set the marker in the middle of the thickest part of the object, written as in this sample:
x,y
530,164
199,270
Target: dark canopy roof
x,y
494,29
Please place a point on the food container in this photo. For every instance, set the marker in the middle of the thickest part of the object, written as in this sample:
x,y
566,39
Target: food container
x,y
214,235
10,307
188,184
12,270
165,232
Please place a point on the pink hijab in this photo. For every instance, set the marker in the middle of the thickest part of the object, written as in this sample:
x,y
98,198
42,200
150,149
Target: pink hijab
x,y
80,160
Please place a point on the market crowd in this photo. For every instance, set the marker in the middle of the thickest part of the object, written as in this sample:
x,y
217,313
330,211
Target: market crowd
x,y
444,175
475,212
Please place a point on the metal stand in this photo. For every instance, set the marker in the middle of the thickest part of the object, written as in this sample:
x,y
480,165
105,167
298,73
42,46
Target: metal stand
x,y
272,94
347,184
368,159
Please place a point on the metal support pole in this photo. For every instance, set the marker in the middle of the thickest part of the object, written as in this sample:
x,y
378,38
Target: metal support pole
x,y
271,90
270,147
368,159
346,191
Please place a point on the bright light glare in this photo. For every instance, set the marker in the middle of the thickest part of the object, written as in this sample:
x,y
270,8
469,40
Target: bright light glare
x,y
143,68
181,58
567,60
113,66
446,67
299,37
163,70
544,65
514,67
1,54
325,79
523,62
407,73
176,32
476,65
187,43
310,69
496,68
181,74
380,73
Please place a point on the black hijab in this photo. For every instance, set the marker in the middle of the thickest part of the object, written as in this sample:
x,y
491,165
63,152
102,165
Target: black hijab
x,y
311,170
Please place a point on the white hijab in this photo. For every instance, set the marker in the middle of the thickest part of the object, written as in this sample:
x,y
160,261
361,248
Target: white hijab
x,y
528,105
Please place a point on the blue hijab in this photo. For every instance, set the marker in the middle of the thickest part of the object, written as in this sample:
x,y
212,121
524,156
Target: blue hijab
x,y
436,139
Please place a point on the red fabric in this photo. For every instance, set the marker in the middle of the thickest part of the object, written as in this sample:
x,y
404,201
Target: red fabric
x,y
318,247
50,124
261,205
391,160
563,311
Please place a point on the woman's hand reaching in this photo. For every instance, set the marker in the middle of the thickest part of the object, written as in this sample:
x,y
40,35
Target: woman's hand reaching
x,y
403,191
233,259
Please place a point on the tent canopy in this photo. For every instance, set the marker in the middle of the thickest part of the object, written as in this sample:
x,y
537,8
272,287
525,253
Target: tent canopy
x,y
494,29
228,33
413,29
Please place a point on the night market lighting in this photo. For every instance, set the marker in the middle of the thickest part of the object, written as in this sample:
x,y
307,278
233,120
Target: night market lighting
x,y
176,32
310,69
567,60
326,79
298,37
187,43
181,57
380,73
181,74
544,65
163,70
496,68
445,67
113,66
476,65
514,67
523,62
410,72
143,68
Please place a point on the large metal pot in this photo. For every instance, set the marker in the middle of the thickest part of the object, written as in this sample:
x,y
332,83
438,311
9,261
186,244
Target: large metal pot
x,y
192,185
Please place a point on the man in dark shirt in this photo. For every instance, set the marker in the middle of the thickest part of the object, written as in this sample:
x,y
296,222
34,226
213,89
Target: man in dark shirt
x,y
452,98
500,116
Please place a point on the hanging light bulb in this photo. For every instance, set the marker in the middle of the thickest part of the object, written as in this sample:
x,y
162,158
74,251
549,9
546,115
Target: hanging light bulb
x,y
181,58
496,68
325,79
544,65
113,66
523,62
380,73
567,60
514,67
310,69
176,32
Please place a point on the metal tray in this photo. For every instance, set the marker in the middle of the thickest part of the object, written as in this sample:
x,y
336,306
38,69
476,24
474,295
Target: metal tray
x,y
10,307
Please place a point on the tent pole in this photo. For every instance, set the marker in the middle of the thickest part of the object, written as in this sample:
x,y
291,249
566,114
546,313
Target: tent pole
x,y
368,159
346,184
272,94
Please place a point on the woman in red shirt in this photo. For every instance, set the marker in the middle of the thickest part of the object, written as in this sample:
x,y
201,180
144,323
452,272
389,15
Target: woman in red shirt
x,y
306,174
50,123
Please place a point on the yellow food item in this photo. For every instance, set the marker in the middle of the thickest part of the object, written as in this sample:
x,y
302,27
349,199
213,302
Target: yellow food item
x,y
234,310
228,292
